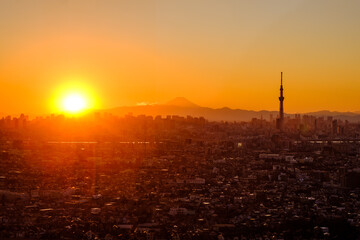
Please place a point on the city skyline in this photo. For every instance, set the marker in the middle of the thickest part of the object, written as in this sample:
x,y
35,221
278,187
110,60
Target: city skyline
x,y
180,119
216,54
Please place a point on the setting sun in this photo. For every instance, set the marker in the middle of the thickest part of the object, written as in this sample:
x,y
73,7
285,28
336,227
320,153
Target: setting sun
x,y
74,97
74,103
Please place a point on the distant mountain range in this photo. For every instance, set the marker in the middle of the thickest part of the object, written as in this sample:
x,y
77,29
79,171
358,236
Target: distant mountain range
x,y
182,107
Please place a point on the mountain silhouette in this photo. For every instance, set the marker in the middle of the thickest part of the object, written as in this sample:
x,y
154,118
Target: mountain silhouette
x,y
181,102
180,106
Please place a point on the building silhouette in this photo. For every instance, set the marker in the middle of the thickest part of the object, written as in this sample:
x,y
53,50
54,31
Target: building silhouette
x,y
280,120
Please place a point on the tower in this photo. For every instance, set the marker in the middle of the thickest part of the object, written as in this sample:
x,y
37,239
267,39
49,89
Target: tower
x,y
280,120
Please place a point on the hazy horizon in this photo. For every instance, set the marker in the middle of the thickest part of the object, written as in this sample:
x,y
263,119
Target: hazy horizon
x,y
181,102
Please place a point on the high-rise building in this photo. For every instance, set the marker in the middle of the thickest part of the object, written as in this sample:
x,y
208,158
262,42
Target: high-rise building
x,y
280,120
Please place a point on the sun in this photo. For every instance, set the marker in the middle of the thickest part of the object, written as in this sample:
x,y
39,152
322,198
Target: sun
x,y
74,103
75,96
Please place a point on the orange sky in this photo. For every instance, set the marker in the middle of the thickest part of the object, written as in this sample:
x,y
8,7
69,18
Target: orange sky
x,y
215,53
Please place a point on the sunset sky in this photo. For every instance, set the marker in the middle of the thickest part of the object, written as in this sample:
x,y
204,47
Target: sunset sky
x,y
214,53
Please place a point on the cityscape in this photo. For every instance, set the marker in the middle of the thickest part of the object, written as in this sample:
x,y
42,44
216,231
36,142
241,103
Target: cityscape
x,y
179,120
176,177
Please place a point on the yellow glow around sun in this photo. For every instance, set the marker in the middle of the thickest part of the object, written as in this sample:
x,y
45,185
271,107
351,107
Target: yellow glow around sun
x,y
74,97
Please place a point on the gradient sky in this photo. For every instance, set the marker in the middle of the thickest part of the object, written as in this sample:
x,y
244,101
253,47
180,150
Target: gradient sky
x,y
215,53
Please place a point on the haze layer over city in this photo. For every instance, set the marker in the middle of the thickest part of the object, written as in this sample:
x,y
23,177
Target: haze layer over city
x,y
179,119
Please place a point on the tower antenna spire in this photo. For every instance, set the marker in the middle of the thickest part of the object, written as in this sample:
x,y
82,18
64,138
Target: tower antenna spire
x,y
280,120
